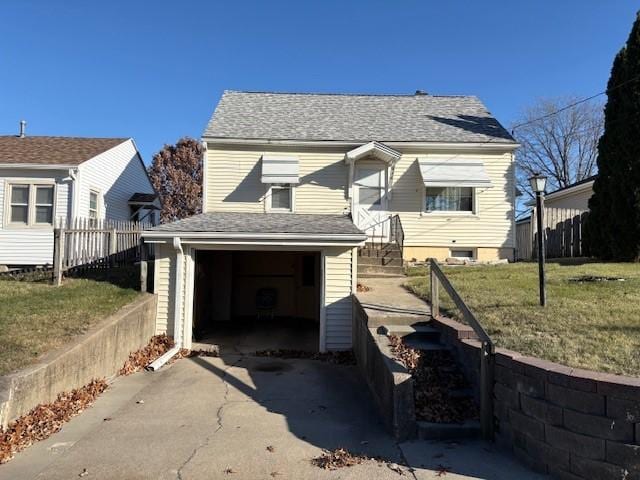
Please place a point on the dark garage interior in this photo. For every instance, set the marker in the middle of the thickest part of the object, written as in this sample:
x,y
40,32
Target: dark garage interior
x,y
255,300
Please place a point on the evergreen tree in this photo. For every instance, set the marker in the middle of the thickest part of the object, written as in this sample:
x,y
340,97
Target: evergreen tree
x,y
612,230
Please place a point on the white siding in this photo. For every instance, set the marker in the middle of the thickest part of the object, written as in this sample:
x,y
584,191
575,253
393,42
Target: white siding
x,y
30,245
117,173
233,184
578,200
337,298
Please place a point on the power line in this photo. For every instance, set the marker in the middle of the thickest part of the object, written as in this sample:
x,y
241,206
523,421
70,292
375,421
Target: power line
x,y
574,104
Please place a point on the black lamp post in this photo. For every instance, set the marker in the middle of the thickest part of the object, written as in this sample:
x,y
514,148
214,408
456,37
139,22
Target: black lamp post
x,y
538,183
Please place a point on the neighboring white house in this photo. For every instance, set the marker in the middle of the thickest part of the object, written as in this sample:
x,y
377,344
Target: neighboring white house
x,y
294,184
47,179
573,197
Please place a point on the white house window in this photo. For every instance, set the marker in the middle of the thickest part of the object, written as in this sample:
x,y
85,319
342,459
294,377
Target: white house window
x,y
93,204
281,198
449,199
30,204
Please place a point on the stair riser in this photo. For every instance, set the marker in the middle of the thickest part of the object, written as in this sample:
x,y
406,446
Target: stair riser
x,y
374,321
380,253
379,275
433,337
383,261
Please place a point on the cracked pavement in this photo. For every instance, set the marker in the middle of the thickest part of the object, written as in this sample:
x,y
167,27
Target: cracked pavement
x,y
215,417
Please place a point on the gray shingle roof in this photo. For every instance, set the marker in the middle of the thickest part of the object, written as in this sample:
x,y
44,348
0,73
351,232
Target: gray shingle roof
x,y
356,118
258,223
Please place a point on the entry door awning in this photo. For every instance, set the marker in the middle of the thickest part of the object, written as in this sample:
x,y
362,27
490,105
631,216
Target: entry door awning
x,y
280,169
453,172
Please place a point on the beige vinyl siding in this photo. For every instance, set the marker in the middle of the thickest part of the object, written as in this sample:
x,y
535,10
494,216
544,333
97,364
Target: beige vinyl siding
x,y
233,181
491,226
337,298
165,288
233,184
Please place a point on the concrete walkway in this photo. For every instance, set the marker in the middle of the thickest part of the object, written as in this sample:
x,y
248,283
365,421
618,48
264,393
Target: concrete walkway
x,y
215,417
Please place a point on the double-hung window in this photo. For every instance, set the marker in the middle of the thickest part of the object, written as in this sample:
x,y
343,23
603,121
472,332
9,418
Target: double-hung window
x,y
30,204
93,204
281,198
449,199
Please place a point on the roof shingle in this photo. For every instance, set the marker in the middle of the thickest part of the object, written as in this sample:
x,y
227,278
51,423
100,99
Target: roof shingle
x,y
355,118
258,223
53,150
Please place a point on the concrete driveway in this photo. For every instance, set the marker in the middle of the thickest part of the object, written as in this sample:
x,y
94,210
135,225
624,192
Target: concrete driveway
x,y
215,417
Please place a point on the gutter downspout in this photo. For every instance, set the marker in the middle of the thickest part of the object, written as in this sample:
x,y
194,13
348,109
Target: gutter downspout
x,y
177,312
73,174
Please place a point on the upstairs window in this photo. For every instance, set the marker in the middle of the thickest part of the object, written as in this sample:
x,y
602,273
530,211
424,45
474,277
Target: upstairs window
x,y
281,198
30,204
449,199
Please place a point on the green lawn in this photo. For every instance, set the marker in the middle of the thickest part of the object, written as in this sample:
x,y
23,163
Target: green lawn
x,y
588,325
37,317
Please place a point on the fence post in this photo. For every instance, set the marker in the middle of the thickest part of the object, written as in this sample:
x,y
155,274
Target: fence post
x,y
58,255
486,390
143,266
435,294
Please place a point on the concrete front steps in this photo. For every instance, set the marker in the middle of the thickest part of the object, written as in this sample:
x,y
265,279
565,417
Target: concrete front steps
x,y
383,261
423,336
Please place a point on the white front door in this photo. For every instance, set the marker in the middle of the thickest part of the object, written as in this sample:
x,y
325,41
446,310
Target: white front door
x,y
370,200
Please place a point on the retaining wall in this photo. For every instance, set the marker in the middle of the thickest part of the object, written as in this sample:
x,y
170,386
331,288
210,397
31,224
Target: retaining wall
x,y
389,381
571,423
99,353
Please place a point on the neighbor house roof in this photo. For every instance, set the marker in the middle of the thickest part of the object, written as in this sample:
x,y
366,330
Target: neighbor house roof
x,y
354,118
52,150
262,223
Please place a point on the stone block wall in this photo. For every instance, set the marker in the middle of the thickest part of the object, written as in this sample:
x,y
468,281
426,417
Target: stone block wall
x,y
570,423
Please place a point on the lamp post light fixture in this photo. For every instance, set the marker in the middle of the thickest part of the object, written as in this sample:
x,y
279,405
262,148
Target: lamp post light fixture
x,y
538,184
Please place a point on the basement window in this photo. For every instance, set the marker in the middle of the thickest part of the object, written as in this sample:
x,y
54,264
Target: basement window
x,y
462,254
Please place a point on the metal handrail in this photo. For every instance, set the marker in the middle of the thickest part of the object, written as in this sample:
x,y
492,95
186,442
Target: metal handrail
x,y
487,349
397,233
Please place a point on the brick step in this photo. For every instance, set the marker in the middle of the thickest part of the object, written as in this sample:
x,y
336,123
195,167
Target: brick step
x,y
393,269
393,261
446,431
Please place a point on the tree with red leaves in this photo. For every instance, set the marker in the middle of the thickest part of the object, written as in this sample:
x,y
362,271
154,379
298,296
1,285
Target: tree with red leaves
x,y
176,174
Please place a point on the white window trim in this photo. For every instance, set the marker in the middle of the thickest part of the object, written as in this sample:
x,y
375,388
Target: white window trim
x,y
292,198
32,183
449,213
99,203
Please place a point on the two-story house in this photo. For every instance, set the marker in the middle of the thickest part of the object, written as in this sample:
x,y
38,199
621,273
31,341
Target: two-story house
x,y
46,180
295,184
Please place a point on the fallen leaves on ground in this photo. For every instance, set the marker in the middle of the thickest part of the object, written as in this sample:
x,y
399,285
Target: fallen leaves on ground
x,y
362,288
339,358
442,470
47,418
138,360
436,375
338,458
271,449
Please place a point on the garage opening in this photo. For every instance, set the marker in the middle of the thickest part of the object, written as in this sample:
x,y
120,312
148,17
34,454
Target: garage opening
x,y
256,300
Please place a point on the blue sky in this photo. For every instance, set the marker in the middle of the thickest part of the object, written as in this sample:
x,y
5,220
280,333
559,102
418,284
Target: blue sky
x,y
154,70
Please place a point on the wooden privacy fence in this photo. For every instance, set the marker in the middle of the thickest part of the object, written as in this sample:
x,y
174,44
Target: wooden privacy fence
x,y
563,234
89,244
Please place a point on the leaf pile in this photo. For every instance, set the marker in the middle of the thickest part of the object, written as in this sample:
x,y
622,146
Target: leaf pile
x,y
47,418
345,357
436,377
157,346
362,288
338,458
